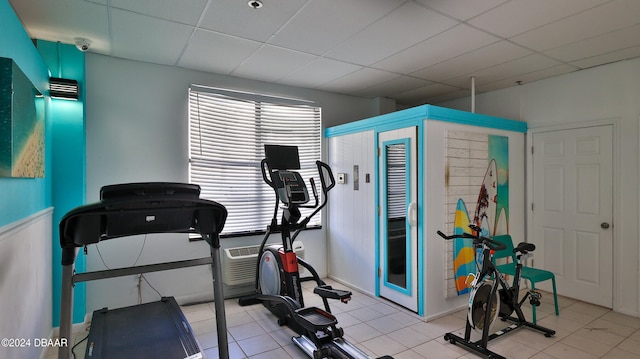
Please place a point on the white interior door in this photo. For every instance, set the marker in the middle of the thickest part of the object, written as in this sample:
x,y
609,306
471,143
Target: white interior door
x,y
398,239
573,211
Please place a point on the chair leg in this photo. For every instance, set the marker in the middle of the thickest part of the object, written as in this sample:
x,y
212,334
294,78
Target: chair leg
x,y
555,296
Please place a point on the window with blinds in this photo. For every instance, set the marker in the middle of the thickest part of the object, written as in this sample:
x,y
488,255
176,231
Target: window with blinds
x,y
227,134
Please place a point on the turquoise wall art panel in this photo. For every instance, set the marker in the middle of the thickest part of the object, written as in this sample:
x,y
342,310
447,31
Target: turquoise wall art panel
x,y
21,124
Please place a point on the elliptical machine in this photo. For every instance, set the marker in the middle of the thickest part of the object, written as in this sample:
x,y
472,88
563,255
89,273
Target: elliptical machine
x,y
278,281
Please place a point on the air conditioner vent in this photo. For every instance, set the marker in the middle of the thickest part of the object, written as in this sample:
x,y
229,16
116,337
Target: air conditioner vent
x,y
243,251
239,263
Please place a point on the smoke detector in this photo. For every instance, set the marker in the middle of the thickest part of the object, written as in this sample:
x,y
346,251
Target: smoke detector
x,y
255,4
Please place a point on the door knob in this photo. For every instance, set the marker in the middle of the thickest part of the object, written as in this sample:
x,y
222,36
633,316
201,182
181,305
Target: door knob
x,y
604,225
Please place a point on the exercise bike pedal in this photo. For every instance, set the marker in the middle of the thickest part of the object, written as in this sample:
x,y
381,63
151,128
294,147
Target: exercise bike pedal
x,y
315,319
535,298
326,291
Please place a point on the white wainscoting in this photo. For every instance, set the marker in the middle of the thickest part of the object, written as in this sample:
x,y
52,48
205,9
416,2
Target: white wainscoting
x,y
25,284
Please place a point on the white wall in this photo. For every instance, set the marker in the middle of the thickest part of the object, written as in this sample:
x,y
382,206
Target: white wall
x,y
136,123
351,237
25,277
611,93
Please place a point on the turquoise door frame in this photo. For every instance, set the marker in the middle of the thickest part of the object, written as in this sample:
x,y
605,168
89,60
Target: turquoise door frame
x,y
419,124
409,262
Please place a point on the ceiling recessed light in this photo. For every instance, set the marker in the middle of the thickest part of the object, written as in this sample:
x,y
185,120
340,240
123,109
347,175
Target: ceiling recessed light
x,y
255,4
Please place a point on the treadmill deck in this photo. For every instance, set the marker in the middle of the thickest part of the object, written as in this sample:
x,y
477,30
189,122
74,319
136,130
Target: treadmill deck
x,y
151,330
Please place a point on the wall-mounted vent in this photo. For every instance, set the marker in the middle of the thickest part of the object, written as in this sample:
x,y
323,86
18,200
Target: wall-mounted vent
x,y
239,263
64,88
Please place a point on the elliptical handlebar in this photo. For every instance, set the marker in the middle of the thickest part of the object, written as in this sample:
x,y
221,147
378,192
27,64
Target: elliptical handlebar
x,y
327,182
265,163
477,239
325,189
323,180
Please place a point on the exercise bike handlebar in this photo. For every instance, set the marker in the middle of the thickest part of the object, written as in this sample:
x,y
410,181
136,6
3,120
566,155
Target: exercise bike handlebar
x,y
477,239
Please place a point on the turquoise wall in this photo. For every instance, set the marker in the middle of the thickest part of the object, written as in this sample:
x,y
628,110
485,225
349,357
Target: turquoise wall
x,y
22,197
63,185
67,160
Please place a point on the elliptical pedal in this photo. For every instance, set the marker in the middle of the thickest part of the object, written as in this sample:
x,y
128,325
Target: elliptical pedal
x,y
326,291
315,319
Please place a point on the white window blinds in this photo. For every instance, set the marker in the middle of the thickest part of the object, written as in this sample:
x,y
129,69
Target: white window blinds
x,y
227,133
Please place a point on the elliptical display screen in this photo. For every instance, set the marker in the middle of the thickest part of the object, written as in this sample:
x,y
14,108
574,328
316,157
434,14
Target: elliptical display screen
x,y
282,157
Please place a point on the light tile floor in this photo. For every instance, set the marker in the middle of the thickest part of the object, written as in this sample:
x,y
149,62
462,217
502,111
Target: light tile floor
x,y
583,331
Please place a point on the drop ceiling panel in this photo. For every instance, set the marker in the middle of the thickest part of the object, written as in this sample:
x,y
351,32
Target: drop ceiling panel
x,y
462,9
597,21
514,68
215,52
472,61
318,72
358,80
237,18
404,27
393,86
619,55
518,16
147,39
423,94
323,24
186,12
450,43
271,63
609,42
525,78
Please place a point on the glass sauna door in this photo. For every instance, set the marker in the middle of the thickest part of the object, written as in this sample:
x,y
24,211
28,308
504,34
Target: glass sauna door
x,y
398,216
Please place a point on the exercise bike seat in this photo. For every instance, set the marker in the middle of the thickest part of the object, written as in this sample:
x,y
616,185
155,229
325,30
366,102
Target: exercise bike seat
x,y
326,291
524,247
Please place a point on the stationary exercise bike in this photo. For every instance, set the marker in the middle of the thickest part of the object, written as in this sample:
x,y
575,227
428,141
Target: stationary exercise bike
x,y
487,302
278,281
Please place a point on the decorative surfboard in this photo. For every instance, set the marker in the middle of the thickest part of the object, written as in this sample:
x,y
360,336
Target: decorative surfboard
x,y
485,214
501,224
463,251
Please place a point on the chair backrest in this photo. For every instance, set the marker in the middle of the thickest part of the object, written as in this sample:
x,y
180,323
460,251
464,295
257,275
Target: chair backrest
x,y
507,252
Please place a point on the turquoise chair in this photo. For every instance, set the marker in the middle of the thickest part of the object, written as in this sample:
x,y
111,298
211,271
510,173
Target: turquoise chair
x,y
533,275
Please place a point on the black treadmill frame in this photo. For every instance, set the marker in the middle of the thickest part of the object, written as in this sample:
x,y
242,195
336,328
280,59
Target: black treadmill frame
x,y
141,208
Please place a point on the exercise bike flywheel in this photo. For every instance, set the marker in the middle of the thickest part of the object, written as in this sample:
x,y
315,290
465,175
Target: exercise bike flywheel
x,y
478,300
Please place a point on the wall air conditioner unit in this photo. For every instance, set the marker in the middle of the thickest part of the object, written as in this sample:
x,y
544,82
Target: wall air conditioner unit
x,y
239,263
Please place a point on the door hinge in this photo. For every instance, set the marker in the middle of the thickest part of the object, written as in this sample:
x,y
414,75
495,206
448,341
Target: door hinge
x,y
531,206
378,152
379,272
531,149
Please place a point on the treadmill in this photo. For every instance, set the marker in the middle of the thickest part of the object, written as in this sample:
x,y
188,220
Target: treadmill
x,y
151,330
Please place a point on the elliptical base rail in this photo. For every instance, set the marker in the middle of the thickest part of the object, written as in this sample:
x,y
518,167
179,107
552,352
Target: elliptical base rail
x,y
337,348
